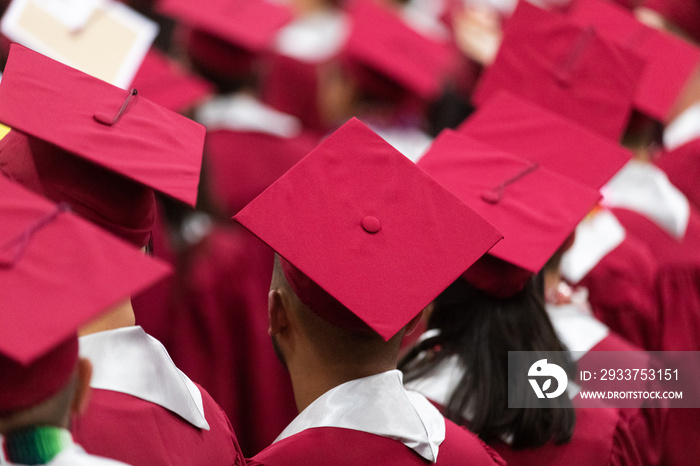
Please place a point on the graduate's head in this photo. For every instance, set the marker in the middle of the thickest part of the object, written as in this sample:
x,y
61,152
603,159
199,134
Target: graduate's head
x,y
101,149
480,329
58,272
323,329
225,41
46,391
537,209
396,70
365,238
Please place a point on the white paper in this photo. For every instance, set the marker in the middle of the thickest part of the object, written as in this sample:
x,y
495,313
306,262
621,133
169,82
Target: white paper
x,y
74,33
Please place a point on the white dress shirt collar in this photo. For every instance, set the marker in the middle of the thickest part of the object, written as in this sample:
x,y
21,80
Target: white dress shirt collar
x,y
645,189
683,129
380,405
242,112
596,237
128,360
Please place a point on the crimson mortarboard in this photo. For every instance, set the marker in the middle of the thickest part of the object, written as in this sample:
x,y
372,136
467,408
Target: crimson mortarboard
x,y
521,127
570,69
670,61
57,272
371,231
110,127
248,24
380,40
536,209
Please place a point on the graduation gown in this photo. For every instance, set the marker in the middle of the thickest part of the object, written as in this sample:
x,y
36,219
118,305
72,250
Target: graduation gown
x,y
680,158
655,212
584,334
301,49
682,166
248,146
145,411
374,421
619,272
601,435
219,329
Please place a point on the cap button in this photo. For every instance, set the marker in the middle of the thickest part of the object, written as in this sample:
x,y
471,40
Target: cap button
x,y
371,224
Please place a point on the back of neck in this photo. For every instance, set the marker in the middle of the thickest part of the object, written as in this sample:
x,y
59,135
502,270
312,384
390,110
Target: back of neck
x,y
121,315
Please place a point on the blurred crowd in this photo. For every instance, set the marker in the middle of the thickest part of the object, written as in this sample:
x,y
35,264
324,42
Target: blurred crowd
x,y
590,107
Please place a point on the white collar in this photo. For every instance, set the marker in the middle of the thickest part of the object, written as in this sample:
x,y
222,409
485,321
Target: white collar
x,y
645,189
242,112
596,237
684,128
128,360
423,16
411,142
315,37
577,329
378,405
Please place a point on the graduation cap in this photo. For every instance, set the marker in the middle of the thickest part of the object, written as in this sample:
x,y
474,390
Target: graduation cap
x,y
57,273
670,61
248,24
547,58
518,126
105,39
535,208
72,129
381,41
363,234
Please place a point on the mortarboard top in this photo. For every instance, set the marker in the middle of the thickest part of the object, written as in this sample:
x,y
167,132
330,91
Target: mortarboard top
x,y
547,58
380,40
110,127
670,61
535,208
368,228
166,83
249,24
520,127
57,273
105,39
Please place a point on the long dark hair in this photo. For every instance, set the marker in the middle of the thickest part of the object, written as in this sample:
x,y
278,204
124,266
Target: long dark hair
x,y
480,330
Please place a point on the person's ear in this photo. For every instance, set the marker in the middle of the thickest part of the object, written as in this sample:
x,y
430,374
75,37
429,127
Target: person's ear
x,y
276,313
411,326
81,400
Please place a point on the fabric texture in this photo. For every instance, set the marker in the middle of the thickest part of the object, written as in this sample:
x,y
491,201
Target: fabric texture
x,y
139,432
395,427
567,68
328,445
111,127
217,333
682,166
